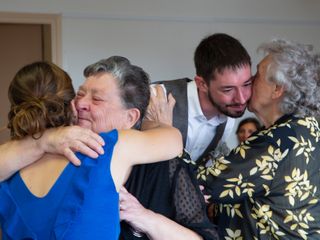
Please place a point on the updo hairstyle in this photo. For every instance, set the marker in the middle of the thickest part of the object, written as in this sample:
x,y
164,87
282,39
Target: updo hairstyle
x,y
40,95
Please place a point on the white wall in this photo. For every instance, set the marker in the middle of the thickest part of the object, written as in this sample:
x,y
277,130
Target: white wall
x,y
161,35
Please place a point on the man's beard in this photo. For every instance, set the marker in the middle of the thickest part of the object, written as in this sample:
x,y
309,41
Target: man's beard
x,y
224,110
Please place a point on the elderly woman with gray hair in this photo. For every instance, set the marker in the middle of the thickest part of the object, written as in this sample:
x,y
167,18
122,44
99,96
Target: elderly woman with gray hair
x,y
268,187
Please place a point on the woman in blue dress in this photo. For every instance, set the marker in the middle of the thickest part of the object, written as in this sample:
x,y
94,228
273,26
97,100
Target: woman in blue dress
x,y
53,199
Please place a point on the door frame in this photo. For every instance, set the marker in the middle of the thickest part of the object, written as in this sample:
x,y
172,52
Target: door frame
x,y
54,20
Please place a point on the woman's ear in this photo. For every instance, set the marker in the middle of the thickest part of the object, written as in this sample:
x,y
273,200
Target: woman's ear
x,y
133,115
201,84
277,91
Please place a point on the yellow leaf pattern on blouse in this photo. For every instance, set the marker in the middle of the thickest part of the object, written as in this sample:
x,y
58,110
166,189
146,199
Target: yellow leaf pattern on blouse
x,y
268,186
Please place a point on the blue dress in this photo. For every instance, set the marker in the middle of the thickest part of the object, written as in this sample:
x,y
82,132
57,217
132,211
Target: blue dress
x,y
82,204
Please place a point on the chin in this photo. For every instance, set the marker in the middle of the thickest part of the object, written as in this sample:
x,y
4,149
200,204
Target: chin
x,y
235,114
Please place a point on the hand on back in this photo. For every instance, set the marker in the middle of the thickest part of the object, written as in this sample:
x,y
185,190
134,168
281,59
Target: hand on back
x,y
68,140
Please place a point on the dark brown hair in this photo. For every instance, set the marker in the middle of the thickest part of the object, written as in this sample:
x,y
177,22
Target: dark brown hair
x,y
252,120
218,52
40,95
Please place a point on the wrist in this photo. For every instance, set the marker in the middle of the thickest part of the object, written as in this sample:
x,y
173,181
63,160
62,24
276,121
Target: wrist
x,y
42,143
150,222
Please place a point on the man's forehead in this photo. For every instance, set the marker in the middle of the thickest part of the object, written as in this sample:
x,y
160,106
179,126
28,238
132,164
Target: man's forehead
x,y
232,68
241,74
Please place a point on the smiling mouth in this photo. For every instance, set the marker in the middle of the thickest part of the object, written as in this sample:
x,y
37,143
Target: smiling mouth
x,y
83,119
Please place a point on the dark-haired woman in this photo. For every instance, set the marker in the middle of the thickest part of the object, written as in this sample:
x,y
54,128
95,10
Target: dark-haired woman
x,y
246,127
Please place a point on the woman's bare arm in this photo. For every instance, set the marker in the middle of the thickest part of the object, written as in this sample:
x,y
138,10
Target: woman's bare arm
x,y
16,154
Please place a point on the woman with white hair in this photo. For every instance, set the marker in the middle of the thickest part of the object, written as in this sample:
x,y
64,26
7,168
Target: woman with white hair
x,y
267,187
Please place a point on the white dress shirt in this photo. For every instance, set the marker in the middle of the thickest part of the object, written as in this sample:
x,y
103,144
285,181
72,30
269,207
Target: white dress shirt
x,y
201,130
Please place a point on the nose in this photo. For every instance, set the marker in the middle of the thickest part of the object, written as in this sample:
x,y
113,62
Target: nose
x,y
82,103
241,97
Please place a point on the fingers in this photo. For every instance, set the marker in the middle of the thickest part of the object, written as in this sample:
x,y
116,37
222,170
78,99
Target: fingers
x,y
160,108
86,142
69,154
90,135
171,101
89,149
126,197
158,93
123,189
67,140
124,201
127,200
161,92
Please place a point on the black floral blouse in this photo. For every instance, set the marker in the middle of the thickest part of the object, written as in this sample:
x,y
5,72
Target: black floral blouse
x,y
268,187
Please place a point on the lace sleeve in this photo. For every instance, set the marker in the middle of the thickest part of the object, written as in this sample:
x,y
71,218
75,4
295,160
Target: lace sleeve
x,y
189,205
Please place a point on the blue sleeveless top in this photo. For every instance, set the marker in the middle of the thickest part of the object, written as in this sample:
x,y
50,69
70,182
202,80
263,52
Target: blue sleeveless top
x,y
82,204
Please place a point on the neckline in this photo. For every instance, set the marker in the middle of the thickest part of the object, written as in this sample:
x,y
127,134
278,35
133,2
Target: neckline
x,y
53,188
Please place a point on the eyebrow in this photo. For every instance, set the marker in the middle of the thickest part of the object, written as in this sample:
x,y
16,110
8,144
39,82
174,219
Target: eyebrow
x,y
81,88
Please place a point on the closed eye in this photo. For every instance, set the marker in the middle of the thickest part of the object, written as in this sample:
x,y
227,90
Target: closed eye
x,y
80,93
98,99
249,82
226,90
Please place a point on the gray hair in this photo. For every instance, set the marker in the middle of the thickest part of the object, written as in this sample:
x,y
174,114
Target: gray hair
x,y
132,80
295,67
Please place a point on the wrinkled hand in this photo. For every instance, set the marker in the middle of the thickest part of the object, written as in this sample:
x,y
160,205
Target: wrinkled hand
x,y
132,211
160,107
68,140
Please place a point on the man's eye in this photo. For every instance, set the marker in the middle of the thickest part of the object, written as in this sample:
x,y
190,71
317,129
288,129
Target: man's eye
x,y
226,90
248,84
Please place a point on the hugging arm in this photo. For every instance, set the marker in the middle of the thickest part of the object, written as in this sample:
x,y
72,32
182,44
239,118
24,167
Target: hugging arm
x,y
155,226
189,219
17,154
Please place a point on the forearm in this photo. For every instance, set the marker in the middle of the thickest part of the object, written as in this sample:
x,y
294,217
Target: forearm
x,y
159,227
15,155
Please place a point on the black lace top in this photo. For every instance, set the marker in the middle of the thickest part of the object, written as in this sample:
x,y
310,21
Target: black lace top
x,y
170,188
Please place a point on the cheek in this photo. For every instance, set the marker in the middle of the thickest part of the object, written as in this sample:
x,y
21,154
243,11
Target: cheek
x,y
226,100
241,137
240,134
248,93
107,120
255,92
222,98
101,122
